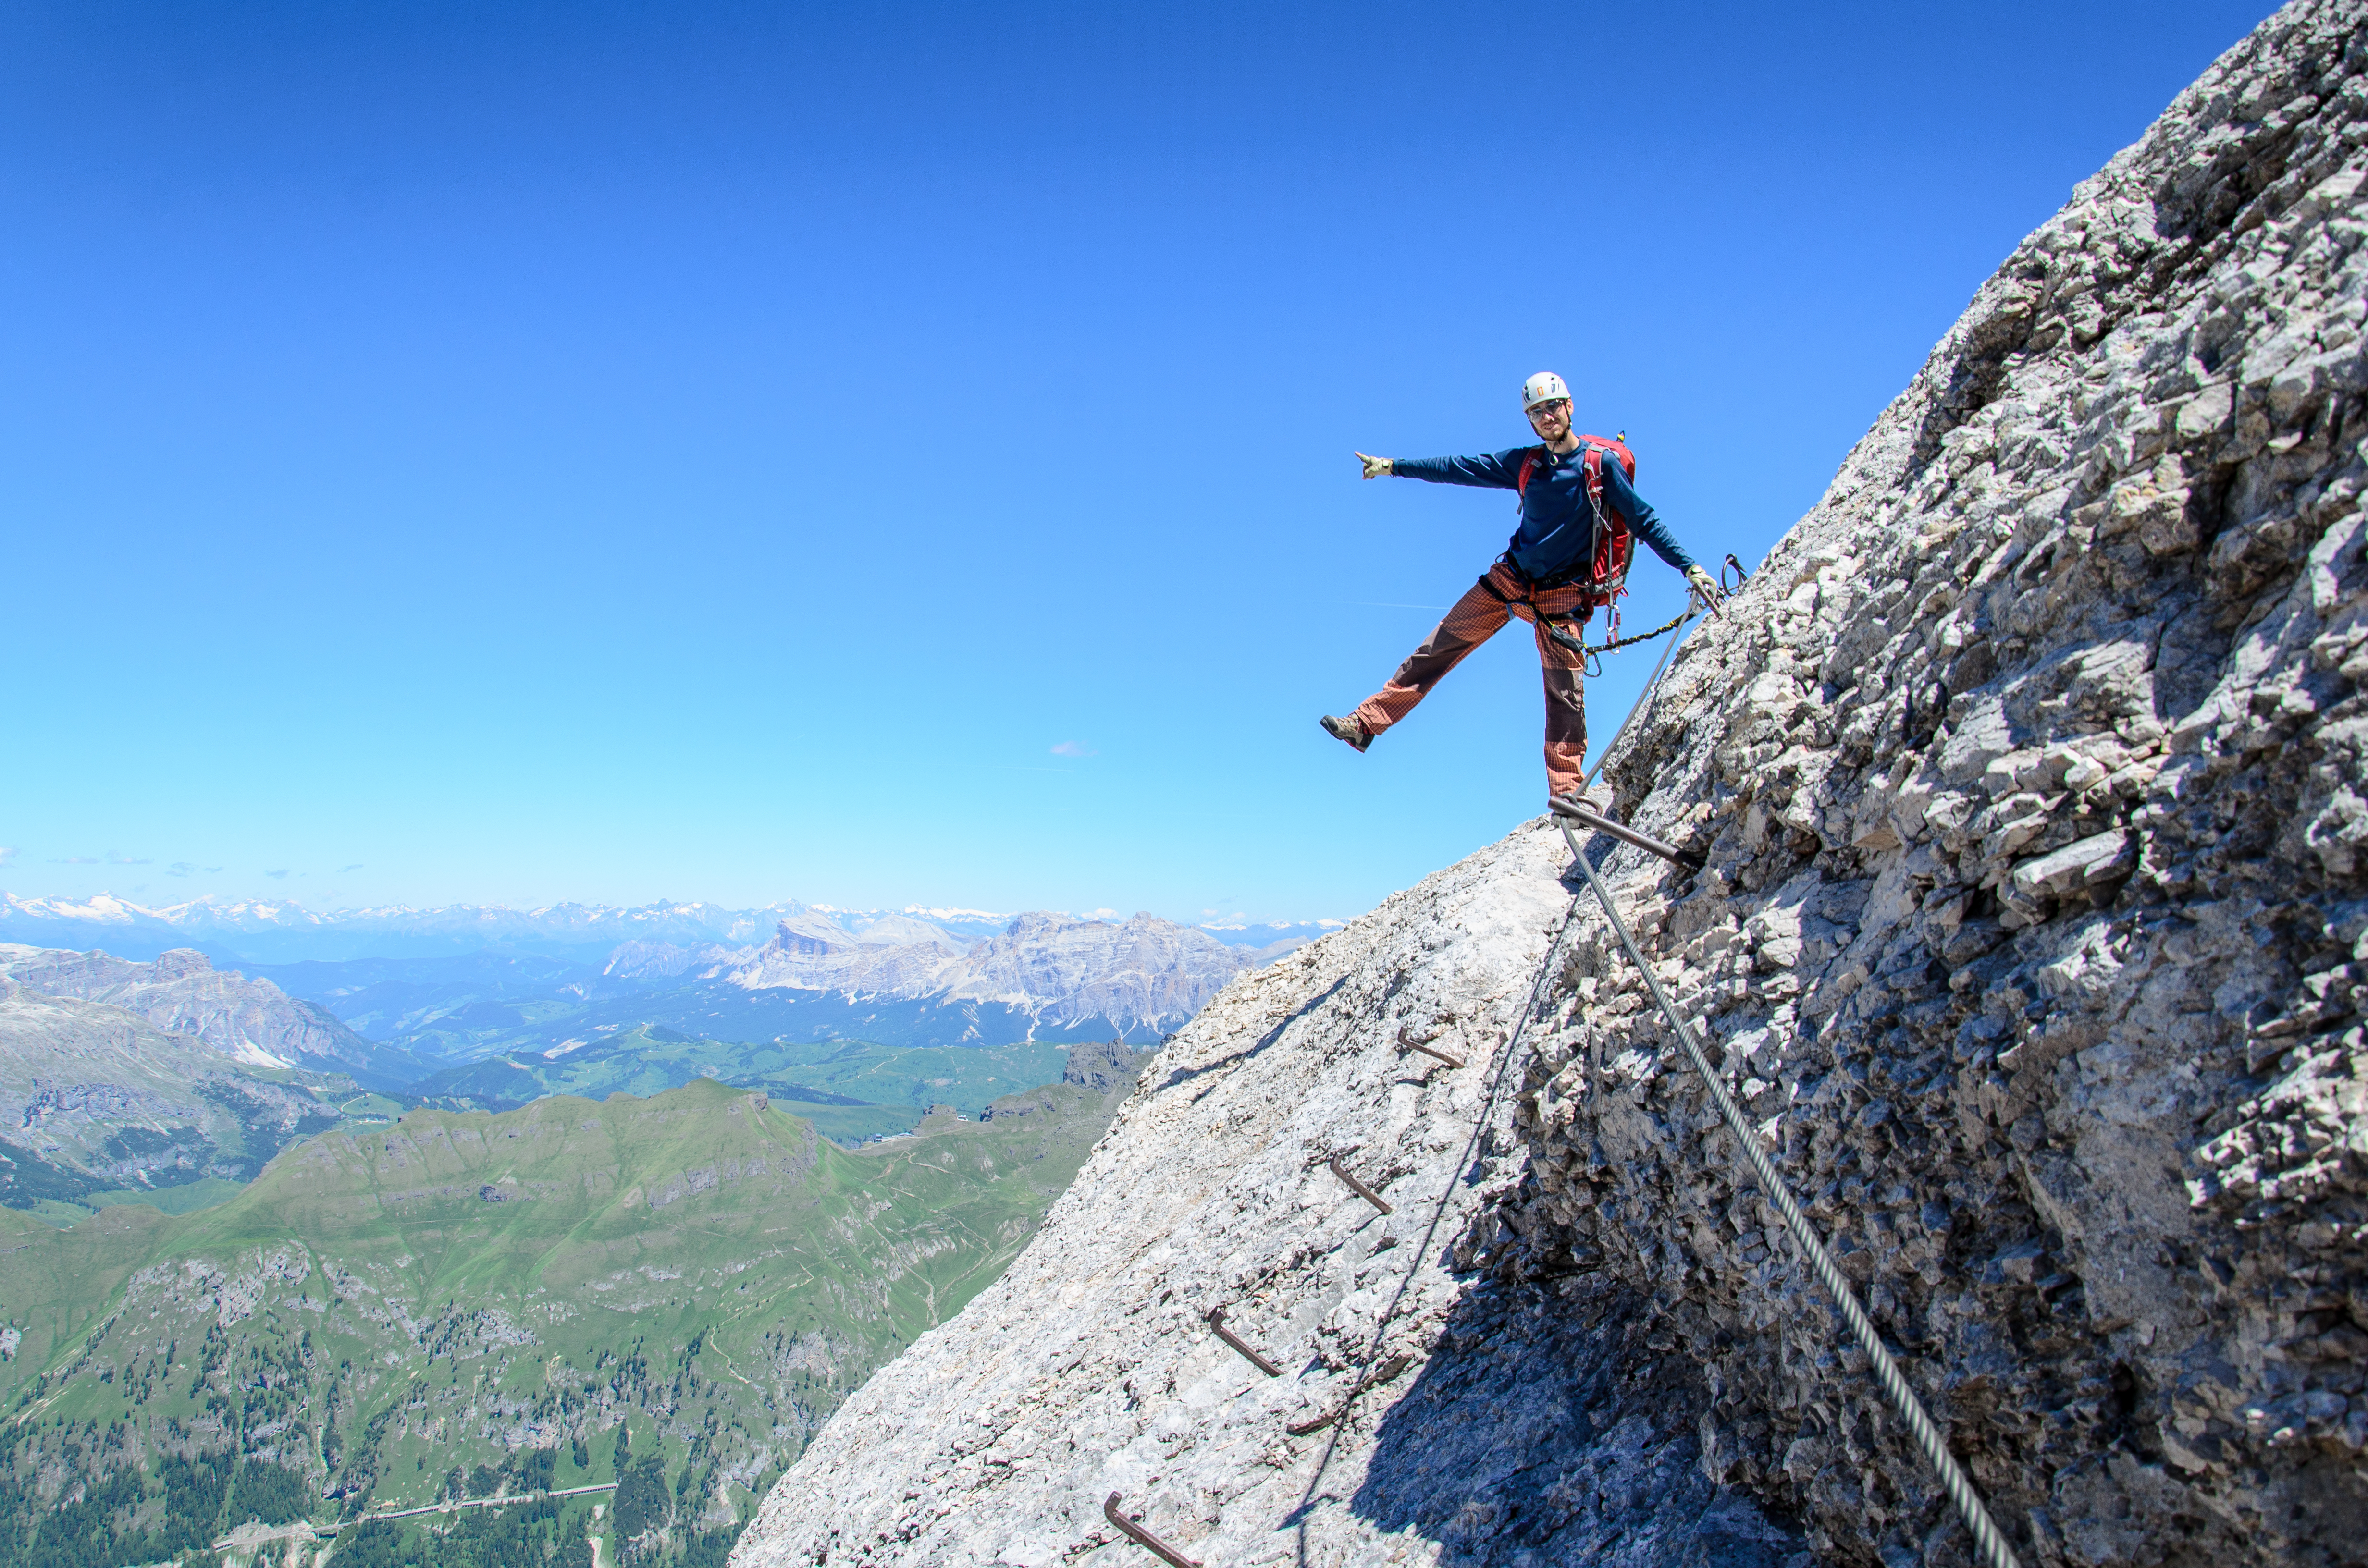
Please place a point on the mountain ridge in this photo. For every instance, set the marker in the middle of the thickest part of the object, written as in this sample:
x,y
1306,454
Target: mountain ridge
x,y
180,991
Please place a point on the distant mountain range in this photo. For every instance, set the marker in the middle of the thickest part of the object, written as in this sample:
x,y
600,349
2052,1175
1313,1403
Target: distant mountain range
x,y
820,975
1047,979
287,932
98,1104
264,1233
262,931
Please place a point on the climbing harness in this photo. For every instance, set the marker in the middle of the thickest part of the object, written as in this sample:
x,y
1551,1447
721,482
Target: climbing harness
x,y
1591,653
1987,1537
1602,577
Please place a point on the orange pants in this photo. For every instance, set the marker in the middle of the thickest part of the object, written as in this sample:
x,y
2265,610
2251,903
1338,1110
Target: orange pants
x,y
1479,615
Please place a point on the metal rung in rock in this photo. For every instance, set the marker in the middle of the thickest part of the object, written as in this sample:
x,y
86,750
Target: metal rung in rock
x,y
1388,1369
1588,817
1143,1537
1358,1187
1430,1051
1216,1319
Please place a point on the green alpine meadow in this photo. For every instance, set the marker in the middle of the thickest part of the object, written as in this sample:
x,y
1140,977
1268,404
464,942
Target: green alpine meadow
x,y
576,1332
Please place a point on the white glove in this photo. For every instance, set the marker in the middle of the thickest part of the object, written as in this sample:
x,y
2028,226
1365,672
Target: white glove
x,y
1374,467
1705,587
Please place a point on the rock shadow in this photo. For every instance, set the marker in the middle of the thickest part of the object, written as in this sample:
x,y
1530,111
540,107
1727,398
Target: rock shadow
x,y
1545,1430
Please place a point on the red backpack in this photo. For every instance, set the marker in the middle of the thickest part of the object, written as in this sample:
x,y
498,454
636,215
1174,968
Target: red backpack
x,y
1605,578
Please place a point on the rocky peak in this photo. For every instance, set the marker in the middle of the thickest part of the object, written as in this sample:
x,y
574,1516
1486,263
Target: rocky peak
x,y
251,1021
1101,1065
810,935
1147,974
664,961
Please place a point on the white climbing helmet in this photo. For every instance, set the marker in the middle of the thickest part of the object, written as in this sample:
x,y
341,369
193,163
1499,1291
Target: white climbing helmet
x,y
1544,387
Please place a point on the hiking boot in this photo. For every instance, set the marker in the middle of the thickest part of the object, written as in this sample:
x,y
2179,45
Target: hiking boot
x,y
1346,728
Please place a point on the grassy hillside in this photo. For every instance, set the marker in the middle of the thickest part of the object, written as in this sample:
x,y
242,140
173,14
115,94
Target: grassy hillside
x,y
671,1291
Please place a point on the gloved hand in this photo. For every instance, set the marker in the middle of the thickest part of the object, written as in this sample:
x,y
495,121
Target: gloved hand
x,y
1374,467
1705,587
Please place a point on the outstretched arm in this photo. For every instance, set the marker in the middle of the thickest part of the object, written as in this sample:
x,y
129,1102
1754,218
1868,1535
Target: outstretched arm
x,y
1495,470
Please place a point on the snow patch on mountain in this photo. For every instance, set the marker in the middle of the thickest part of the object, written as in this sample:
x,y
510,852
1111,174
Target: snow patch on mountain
x,y
251,1021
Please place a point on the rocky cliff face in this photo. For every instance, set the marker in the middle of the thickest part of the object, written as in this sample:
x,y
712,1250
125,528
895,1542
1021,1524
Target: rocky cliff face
x,y
1427,1407
2034,934
252,1021
812,952
1144,971
94,1099
665,960
2030,770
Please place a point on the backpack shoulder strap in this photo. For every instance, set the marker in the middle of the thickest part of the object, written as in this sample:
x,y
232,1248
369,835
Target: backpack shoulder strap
x,y
1597,449
1616,446
1530,456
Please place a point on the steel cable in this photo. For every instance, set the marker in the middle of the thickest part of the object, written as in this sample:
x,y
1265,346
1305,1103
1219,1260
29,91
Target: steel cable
x,y
1960,1487
1987,1538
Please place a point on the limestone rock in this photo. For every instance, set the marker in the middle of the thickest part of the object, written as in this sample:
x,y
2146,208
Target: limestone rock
x,y
1090,1367
2034,911
93,1098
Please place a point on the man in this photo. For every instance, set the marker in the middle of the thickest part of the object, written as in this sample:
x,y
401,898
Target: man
x,y
1540,577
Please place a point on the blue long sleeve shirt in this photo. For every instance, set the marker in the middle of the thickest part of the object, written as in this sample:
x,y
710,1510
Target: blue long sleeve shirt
x,y
1557,530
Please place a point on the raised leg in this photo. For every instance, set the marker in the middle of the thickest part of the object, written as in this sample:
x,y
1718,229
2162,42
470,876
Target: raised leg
x,y
1472,620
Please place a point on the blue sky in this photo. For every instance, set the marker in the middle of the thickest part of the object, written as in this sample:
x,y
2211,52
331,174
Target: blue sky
x,y
513,453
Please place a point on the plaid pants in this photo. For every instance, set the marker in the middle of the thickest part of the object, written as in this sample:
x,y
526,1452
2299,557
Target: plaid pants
x,y
1479,615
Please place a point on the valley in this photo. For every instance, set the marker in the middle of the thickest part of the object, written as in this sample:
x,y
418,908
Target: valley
x,y
668,1293
852,1090
505,1256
